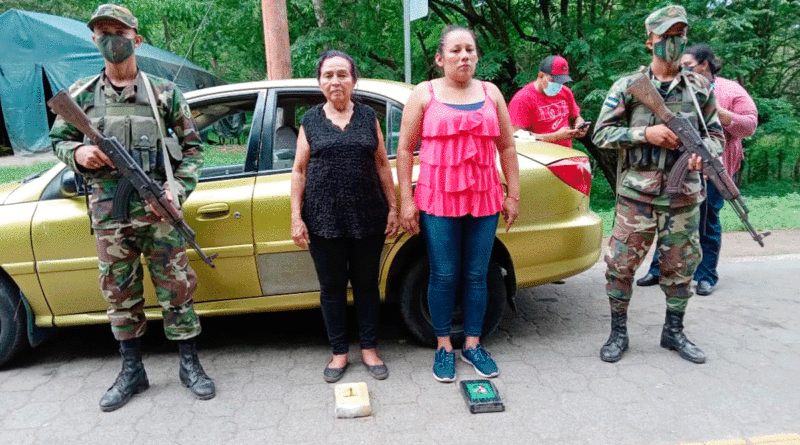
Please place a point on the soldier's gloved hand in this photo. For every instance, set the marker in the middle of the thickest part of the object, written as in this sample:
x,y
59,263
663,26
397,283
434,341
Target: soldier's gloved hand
x,y
661,136
91,157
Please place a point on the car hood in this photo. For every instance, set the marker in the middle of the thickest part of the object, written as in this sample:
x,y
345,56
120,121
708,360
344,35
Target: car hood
x,y
545,153
6,189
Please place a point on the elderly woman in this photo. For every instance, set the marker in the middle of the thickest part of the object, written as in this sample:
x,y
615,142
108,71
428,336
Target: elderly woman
x,y
343,207
462,122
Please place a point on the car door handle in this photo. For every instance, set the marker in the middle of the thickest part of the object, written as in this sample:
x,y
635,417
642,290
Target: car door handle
x,y
214,211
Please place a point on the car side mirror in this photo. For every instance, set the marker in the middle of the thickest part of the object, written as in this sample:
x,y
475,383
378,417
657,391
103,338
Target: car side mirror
x,y
71,184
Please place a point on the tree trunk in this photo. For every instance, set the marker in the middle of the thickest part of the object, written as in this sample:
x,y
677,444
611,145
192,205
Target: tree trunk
x,y
544,6
167,36
319,12
276,39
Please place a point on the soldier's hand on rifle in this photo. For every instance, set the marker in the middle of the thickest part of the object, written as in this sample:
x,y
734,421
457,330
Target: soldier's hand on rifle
x,y
695,162
661,136
157,210
91,157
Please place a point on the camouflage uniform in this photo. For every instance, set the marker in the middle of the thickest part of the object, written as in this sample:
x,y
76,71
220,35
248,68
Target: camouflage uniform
x,y
643,205
120,243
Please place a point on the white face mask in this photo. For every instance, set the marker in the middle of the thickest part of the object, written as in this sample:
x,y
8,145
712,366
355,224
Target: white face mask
x,y
552,89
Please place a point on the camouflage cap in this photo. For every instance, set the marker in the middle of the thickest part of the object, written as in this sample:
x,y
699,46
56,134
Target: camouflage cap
x,y
114,12
659,21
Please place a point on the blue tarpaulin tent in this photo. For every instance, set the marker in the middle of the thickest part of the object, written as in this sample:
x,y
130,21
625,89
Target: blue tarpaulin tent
x,y
41,54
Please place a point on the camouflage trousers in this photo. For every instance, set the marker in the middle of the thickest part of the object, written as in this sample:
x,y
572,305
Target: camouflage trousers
x,y
679,250
119,250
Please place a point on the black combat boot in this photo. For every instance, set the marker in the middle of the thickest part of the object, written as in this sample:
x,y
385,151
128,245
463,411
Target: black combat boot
x,y
618,340
191,372
672,337
131,380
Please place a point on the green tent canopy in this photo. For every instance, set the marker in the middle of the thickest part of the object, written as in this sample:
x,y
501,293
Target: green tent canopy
x,y
41,54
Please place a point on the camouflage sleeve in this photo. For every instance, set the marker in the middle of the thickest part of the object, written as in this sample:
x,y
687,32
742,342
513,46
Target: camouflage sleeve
x,y
611,130
65,137
180,120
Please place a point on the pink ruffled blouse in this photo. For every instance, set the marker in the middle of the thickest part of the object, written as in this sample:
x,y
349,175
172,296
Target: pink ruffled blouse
x,y
458,172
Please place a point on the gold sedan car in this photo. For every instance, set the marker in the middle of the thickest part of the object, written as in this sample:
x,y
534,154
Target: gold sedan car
x,y
240,211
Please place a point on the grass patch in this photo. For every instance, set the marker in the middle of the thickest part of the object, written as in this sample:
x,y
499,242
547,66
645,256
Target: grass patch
x,y
16,172
773,205
213,157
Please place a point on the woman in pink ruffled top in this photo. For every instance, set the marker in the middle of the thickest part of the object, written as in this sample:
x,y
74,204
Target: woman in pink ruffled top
x,y
463,123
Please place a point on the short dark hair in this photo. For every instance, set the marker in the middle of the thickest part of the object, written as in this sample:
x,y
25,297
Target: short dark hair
x,y
453,28
331,53
703,53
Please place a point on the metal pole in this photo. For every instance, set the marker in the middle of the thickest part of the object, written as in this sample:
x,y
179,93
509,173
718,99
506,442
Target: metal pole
x,y
407,38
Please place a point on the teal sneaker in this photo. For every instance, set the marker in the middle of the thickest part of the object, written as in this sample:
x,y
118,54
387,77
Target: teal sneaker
x,y
444,366
480,360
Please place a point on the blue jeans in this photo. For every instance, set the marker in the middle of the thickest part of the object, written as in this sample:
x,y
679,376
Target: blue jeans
x,y
458,247
710,238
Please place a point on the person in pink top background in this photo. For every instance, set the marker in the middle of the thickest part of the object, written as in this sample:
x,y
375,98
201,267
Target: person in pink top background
x,y
739,117
546,107
463,123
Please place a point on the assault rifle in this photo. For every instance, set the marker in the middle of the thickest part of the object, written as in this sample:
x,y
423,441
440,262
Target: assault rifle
x,y
63,105
691,142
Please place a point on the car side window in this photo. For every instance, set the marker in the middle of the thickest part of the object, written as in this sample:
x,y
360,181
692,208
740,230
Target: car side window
x,y
289,110
393,129
291,106
225,126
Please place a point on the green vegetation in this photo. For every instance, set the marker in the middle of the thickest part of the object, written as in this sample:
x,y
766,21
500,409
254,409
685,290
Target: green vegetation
x,y
757,40
773,205
17,172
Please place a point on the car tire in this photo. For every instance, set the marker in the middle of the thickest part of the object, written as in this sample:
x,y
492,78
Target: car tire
x,y
416,315
12,322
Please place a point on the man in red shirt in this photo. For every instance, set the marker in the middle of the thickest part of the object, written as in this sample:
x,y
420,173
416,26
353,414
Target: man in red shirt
x,y
546,107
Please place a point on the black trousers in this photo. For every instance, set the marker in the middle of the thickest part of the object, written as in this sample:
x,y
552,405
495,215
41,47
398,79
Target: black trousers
x,y
357,260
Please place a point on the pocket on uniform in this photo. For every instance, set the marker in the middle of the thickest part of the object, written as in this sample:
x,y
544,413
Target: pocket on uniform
x,y
173,148
144,137
648,182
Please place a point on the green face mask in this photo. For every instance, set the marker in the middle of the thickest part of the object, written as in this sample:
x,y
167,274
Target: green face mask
x,y
115,48
669,49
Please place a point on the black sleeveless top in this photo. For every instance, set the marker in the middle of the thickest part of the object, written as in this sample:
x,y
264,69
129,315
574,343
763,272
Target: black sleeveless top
x,y
343,194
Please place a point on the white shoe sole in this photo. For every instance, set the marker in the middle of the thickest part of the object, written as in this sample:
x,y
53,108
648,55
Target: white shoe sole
x,y
443,379
488,376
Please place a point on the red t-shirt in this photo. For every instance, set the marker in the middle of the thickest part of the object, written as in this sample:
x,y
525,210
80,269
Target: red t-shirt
x,y
539,113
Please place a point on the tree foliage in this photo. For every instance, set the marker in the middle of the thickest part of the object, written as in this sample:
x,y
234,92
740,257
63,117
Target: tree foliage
x,y
758,40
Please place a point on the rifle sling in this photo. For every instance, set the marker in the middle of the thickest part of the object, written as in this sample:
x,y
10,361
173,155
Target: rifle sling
x,y
165,154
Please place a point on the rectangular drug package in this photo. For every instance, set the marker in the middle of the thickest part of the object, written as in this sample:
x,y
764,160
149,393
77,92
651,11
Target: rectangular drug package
x,y
481,396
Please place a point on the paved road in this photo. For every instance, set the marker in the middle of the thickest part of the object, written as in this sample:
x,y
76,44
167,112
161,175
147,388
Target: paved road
x,y
270,390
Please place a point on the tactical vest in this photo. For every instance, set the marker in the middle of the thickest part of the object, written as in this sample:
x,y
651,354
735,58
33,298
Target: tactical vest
x,y
647,156
135,127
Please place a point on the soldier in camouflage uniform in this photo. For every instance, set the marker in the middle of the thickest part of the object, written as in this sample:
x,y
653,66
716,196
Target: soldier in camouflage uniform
x,y
136,108
647,150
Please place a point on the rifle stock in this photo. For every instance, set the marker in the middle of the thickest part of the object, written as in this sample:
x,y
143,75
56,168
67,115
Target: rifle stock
x,y
64,105
691,142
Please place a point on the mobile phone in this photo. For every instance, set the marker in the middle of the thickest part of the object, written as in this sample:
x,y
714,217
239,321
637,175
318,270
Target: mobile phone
x,y
585,124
